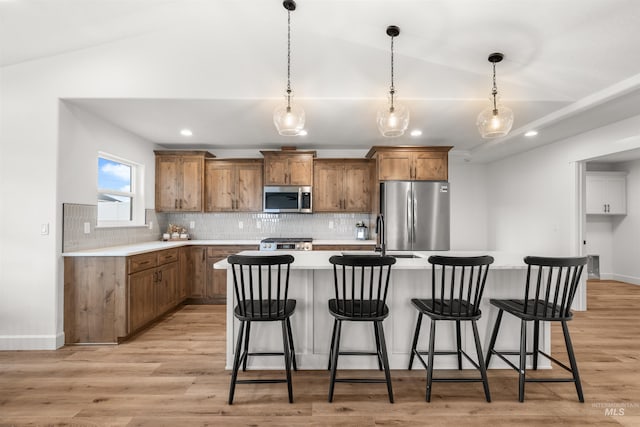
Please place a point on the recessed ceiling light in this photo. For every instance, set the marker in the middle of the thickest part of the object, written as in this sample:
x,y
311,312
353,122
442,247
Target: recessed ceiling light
x,y
303,132
186,132
416,132
531,133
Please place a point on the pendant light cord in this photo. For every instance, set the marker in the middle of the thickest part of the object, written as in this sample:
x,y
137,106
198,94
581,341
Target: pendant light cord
x,y
494,91
392,89
288,60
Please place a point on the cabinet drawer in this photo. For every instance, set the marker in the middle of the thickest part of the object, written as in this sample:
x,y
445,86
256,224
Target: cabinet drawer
x,y
142,262
169,255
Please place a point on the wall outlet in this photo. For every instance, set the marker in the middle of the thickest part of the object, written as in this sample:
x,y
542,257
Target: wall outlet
x,y
240,225
258,224
192,225
87,228
150,225
331,225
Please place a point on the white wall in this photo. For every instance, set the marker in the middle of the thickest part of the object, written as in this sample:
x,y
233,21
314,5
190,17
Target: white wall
x,y
469,222
626,230
82,135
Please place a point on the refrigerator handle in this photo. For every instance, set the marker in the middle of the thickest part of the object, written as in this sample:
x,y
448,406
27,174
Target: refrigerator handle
x,y
409,216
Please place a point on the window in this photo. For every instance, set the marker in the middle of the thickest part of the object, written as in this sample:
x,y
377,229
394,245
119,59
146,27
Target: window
x,y
120,201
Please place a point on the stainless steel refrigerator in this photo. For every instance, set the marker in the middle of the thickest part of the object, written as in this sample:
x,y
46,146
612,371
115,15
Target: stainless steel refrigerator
x,y
416,215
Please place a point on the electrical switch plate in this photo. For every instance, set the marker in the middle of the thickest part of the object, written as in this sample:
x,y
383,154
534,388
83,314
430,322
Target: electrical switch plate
x,y
87,228
192,225
44,229
240,225
331,225
258,224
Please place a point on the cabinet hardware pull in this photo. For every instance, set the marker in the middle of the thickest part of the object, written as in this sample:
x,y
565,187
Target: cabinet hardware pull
x,y
155,276
159,276
175,203
180,203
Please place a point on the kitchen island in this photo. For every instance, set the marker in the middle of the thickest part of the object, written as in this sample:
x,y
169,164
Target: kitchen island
x,y
311,284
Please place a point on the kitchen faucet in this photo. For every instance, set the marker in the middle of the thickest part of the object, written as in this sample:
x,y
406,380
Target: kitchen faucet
x,y
382,246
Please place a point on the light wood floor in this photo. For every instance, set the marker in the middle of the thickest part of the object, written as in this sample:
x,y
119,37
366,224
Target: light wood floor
x,y
173,375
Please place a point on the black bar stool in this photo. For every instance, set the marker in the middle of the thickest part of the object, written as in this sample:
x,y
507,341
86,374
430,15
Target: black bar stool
x,y
261,285
360,284
455,297
549,299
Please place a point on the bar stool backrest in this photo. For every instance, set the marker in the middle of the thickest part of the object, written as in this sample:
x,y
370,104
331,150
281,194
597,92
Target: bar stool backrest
x,y
457,284
261,284
551,285
361,284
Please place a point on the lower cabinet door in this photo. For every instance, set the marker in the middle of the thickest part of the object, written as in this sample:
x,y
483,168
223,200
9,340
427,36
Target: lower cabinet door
x,y
167,290
142,301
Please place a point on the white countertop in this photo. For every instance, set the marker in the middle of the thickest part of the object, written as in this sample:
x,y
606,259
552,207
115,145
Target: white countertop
x,y
139,248
319,260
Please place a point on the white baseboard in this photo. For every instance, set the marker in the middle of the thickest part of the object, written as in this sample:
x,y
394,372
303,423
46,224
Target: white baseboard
x,y
31,342
627,279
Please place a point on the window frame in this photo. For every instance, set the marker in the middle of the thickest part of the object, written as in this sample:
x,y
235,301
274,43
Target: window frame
x,y
136,194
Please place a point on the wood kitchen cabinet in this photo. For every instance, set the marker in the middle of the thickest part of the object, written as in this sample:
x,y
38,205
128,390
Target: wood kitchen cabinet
x,y
180,180
342,185
233,185
411,163
107,299
606,193
208,285
288,167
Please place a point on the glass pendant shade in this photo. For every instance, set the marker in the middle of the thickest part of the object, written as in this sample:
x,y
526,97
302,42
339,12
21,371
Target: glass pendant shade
x,y
288,119
392,122
494,123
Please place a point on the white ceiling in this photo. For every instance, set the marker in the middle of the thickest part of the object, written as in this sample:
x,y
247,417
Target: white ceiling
x,y
569,66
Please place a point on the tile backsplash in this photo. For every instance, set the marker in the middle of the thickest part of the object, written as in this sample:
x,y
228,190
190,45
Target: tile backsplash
x,y
257,225
207,226
74,217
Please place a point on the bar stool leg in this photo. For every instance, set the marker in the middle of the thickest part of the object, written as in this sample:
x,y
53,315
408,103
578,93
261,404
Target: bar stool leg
x,y
572,361
494,336
236,363
415,341
333,338
287,359
291,347
385,360
375,331
483,368
523,360
246,346
432,339
334,360
459,344
536,337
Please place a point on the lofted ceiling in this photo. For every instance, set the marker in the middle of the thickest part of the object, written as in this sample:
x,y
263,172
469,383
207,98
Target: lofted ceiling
x,y
569,66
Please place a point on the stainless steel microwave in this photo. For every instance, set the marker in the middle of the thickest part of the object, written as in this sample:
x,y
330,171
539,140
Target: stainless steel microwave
x,y
287,199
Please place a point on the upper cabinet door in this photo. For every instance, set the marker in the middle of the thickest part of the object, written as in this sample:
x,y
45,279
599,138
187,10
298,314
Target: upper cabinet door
x,y
394,166
167,183
288,167
219,186
357,186
300,170
192,173
249,187
606,193
180,180
328,182
233,185
430,166
275,170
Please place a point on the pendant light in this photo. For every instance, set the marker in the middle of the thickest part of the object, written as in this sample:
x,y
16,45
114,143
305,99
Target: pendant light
x,y
393,120
288,117
496,120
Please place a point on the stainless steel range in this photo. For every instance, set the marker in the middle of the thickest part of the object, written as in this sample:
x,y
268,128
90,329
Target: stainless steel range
x,y
286,244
